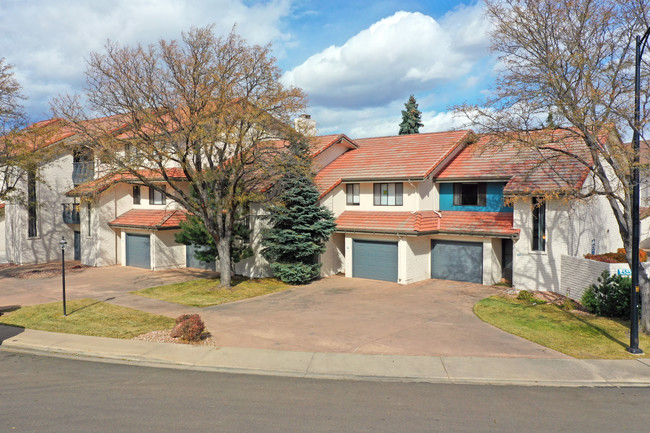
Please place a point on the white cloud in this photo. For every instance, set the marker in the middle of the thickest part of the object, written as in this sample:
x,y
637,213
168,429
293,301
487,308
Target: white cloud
x,y
48,41
378,121
401,54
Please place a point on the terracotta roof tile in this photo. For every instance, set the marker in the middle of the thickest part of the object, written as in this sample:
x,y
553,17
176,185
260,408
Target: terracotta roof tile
x,y
428,222
150,219
412,156
97,186
525,169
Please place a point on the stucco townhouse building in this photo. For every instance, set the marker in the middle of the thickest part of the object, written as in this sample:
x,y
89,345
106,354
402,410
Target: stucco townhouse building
x,y
411,207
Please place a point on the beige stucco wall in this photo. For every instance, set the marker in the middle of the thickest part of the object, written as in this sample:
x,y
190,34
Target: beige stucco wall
x,y
165,252
57,179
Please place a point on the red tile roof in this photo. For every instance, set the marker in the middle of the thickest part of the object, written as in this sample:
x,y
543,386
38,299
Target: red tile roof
x,y
97,186
527,169
322,142
150,219
412,156
428,222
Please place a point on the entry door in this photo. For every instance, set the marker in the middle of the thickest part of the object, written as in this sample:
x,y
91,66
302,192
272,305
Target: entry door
x,y
77,245
138,251
374,260
457,261
506,251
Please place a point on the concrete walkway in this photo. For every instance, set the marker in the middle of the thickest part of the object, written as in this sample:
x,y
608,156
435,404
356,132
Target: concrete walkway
x,y
433,369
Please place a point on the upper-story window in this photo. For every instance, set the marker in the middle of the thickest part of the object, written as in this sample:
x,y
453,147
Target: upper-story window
x,y
136,194
470,194
32,205
388,194
352,194
157,195
539,225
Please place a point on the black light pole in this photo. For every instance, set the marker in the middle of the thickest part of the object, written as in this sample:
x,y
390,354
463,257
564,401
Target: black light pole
x,y
63,243
636,193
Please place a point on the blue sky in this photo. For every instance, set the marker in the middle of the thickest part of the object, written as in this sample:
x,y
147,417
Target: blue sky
x,y
357,60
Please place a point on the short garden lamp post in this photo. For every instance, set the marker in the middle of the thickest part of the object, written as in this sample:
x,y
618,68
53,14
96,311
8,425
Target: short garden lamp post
x,y
63,243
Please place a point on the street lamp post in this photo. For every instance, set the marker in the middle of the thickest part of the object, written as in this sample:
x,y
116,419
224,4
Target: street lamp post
x,y
63,243
636,193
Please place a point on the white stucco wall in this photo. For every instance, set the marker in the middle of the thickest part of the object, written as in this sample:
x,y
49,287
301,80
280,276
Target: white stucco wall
x,y
572,228
2,234
333,259
165,252
416,254
56,178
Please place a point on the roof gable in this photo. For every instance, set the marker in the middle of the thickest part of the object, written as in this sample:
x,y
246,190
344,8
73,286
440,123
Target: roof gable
x,y
412,156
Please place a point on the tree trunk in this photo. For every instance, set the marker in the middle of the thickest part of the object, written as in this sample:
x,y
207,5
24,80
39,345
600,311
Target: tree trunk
x,y
223,247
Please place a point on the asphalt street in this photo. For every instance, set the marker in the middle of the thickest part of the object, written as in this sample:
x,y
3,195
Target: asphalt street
x,y
47,394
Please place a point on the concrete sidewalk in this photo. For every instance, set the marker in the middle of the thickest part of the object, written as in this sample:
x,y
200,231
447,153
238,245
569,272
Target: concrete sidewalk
x,y
433,369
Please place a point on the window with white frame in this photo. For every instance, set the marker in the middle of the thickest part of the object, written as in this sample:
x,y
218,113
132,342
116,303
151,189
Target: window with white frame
x,y
388,194
352,194
157,195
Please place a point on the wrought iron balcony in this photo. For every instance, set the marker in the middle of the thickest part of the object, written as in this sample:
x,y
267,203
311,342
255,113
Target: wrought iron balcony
x,y
82,172
71,213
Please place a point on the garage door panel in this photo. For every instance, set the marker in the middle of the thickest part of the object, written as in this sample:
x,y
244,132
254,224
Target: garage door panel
x,y
457,261
374,260
138,251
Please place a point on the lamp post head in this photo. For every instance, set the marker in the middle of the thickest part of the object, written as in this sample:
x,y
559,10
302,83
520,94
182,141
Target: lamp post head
x,y
63,243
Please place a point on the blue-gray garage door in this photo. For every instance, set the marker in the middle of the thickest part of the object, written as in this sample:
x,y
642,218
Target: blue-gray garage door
x,y
137,251
192,262
374,260
457,261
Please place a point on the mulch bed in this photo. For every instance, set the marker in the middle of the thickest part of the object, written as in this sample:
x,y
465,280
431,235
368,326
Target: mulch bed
x,y
41,270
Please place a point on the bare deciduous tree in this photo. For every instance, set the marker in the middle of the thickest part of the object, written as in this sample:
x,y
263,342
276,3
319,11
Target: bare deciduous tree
x,y
12,118
198,112
574,59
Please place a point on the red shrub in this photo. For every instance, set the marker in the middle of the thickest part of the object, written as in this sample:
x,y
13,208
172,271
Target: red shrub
x,y
189,327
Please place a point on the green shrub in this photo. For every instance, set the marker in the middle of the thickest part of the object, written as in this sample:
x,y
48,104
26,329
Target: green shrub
x,y
610,297
295,273
568,304
525,295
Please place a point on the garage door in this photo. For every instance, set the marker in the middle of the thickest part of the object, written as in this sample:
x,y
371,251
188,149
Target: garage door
x,y
457,261
137,251
192,262
374,260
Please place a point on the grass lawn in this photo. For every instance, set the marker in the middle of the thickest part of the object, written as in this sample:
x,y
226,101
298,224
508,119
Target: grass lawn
x,y
205,292
576,334
87,317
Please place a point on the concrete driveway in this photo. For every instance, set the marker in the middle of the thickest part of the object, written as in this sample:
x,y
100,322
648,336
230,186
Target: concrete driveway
x,y
335,314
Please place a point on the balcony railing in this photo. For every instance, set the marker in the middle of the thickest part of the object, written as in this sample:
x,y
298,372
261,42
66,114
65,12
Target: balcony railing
x,y
71,213
82,172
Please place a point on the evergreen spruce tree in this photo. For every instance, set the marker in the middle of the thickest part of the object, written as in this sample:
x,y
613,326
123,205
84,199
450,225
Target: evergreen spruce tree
x,y
411,118
300,227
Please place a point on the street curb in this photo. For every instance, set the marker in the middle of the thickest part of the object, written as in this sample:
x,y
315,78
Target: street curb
x,y
317,365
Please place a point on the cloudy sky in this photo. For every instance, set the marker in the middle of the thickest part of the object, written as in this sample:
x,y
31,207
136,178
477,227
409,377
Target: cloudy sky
x,y
358,60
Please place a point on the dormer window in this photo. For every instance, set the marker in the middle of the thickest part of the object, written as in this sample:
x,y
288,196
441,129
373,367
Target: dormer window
x,y
470,194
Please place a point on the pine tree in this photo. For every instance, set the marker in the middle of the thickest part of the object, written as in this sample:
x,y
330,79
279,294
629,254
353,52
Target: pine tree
x,y
300,226
411,118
